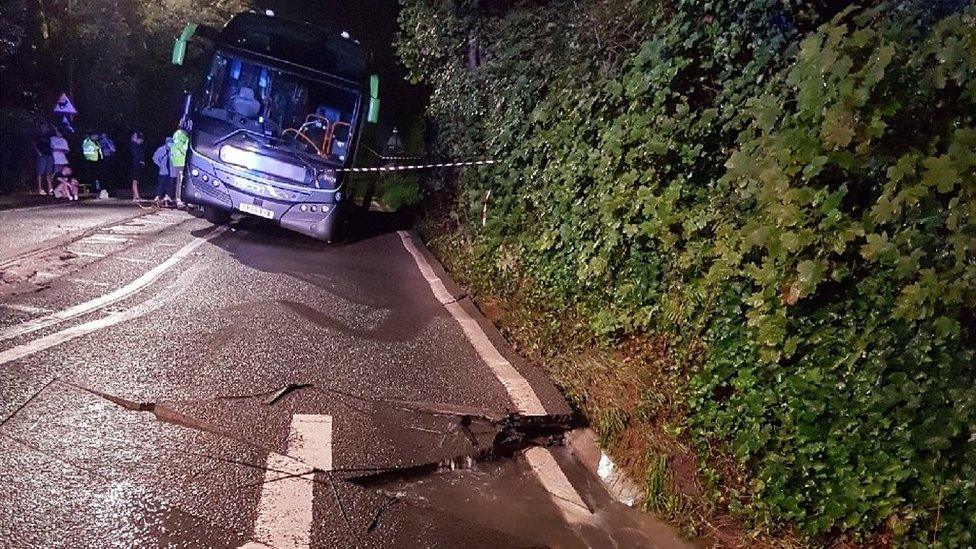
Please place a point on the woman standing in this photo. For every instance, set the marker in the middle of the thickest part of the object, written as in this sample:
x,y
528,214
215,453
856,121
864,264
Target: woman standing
x,y
59,150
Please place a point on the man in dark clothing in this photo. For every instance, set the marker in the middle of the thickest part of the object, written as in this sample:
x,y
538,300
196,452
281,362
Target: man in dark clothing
x,y
45,159
137,163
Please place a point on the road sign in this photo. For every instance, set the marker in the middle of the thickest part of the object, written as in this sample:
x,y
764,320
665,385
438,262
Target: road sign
x,y
64,105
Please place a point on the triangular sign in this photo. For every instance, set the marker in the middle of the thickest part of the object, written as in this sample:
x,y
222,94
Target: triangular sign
x,y
64,105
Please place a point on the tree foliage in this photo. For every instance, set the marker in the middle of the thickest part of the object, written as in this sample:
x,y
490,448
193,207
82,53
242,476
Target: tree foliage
x,y
113,56
790,186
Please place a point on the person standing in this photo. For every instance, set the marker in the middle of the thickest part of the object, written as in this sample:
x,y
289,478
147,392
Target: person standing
x,y
163,180
59,151
177,157
92,152
137,163
45,160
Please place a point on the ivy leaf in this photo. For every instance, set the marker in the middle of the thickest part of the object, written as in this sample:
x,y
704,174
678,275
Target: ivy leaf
x,y
940,173
904,166
837,129
809,273
876,245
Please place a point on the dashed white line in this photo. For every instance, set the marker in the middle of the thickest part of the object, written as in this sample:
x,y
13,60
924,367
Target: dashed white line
x,y
285,511
519,390
125,291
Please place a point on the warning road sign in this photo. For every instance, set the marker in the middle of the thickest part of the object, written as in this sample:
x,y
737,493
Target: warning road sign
x,y
64,106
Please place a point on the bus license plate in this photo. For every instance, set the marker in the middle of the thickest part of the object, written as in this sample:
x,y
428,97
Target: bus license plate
x,y
256,210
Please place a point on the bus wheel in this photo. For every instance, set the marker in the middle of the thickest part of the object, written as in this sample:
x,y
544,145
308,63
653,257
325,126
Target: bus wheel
x,y
216,215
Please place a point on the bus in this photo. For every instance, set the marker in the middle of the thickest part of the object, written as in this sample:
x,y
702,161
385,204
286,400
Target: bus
x,y
276,121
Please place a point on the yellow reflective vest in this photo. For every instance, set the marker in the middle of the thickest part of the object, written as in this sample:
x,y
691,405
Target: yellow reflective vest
x,y
91,149
177,152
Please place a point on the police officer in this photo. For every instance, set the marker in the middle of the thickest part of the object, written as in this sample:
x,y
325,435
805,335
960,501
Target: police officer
x,y
92,152
177,160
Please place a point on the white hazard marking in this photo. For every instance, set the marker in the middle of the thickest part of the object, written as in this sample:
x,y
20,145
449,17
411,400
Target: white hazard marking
x,y
108,299
25,308
86,254
106,238
570,504
57,338
284,519
519,390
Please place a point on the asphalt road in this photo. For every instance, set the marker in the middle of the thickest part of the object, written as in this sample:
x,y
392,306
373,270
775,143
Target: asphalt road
x,y
172,384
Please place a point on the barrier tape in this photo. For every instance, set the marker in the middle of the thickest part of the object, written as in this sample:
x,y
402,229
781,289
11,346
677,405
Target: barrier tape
x,y
418,166
381,157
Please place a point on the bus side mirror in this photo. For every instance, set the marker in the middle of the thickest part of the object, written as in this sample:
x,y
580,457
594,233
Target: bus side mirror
x,y
179,47
374,110
373,115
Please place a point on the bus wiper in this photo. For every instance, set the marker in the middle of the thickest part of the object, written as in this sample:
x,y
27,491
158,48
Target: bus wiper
x,y
220,140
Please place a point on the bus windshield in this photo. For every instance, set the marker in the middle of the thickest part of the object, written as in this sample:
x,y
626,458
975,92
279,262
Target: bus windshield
x,y
296,112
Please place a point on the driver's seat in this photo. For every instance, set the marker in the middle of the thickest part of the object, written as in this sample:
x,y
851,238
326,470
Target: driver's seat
x,y
244,103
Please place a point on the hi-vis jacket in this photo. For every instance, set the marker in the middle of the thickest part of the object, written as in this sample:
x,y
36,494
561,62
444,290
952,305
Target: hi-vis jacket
x,y
177,152
91,150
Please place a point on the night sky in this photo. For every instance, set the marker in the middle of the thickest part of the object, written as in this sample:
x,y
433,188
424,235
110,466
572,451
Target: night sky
x,y
373,23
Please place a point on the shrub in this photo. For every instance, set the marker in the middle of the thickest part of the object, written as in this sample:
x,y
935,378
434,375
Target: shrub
x,y
790,187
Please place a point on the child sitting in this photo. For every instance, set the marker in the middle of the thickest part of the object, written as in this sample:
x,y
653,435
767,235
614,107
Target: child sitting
x,y
66,186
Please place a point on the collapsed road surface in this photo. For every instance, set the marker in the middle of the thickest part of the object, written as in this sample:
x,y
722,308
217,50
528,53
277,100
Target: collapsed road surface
x,y
173,384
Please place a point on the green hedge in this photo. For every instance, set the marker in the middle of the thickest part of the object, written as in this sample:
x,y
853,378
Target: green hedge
x,y
790,188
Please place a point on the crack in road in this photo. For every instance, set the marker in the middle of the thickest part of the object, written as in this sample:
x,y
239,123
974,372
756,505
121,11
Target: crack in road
x,y
492,437
509,433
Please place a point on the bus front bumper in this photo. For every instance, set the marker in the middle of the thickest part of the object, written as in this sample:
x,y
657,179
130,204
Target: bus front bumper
x,y
312,214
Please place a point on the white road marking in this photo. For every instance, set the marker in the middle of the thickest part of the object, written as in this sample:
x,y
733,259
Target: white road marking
x,y
25,308
112,297
564,496
86,254
107,238
436,284
57,338
520,391
130,259
284,519
146,220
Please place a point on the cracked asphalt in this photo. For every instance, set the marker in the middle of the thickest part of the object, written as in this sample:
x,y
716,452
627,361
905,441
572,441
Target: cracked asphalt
x,y
151,407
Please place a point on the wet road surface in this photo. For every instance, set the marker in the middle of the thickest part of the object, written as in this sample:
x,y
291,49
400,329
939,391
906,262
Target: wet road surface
x,y
172,384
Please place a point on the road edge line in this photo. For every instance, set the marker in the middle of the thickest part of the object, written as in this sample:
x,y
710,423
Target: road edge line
x,y
519,390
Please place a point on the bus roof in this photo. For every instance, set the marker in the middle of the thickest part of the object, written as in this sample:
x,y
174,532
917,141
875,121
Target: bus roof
x,y
322,49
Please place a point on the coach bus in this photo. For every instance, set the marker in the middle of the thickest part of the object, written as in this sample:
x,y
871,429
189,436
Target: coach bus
x,y
276,122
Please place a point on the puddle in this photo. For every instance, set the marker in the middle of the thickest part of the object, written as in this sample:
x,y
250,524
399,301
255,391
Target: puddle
x,y
504,495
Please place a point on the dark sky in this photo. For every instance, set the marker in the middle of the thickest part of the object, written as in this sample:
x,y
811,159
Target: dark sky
x,y
373,23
